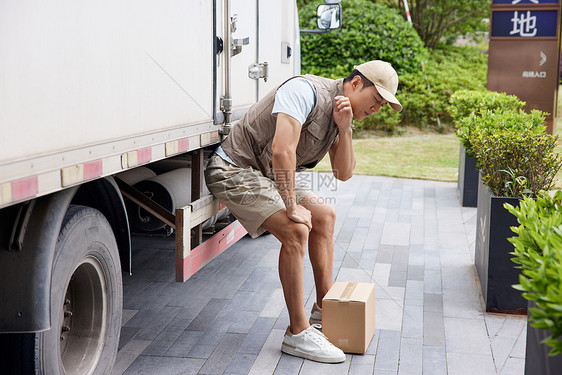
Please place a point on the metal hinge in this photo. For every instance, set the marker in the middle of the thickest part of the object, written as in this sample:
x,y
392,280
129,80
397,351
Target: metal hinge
x,y
259,70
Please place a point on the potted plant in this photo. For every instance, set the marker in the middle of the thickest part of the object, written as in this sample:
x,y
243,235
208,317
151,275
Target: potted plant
x,y
464,103
538,253
514,162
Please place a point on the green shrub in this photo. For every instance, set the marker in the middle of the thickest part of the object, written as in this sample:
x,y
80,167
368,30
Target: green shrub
x,y
370,31
465,102
426,94
373,31
516,163
489,121
386,120
538,252
448,70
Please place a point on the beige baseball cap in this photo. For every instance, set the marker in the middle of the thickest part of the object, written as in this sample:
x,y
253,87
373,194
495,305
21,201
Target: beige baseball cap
x,y
385,79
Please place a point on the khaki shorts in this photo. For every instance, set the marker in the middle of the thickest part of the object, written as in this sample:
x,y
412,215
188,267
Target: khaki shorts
x,y
247,193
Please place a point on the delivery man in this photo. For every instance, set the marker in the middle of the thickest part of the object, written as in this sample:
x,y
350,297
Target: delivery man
x,y
253,174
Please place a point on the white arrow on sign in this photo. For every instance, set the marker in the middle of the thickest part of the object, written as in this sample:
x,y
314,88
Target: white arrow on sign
x,y
543,59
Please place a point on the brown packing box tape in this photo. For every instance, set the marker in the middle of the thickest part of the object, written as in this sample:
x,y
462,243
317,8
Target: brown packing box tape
x,y
348,315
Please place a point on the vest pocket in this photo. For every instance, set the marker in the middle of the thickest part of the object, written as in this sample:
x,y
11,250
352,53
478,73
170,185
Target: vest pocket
x,y
310,142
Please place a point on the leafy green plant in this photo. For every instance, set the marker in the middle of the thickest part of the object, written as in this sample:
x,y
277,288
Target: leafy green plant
x,y
425,94
373,31
465,102
538,253
370,31
515,184
528,156
489,121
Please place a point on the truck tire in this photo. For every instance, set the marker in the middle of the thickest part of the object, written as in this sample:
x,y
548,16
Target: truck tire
x,y
86,304
86,298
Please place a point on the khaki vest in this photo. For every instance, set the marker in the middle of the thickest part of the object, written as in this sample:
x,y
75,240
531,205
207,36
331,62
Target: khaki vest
x,y
250,139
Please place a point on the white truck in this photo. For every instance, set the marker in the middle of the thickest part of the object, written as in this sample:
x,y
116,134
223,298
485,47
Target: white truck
x,y
90,91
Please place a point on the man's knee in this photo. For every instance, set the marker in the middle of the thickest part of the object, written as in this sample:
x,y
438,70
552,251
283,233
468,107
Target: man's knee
x,y
325,220
295,239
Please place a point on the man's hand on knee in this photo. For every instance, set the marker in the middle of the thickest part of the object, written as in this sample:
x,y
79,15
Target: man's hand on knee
x,y
299,214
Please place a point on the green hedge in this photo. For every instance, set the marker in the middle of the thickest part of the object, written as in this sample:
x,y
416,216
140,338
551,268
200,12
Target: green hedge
x,y
373,31
370,31
426,94
518,161
489,121
538,252
465,102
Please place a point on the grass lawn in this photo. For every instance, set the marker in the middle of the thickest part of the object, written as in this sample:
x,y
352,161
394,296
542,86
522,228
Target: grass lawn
x,y
428,156
421,156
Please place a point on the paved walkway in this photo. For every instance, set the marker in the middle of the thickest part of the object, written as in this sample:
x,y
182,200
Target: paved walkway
x,y
411,238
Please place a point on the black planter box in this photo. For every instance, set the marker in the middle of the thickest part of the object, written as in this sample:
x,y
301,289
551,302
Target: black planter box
x,y
496,271
468,179
537,360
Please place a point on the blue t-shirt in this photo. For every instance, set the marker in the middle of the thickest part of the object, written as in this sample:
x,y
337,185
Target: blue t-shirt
x,y
295,98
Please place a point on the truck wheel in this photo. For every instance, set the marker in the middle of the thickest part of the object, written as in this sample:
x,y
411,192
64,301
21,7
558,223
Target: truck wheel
x,y
86,298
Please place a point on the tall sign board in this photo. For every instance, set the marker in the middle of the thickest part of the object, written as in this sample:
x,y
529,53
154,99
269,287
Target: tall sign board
x,y
524,52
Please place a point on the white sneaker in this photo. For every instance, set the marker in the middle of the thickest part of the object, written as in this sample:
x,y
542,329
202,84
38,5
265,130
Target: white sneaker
x,y
311,344
315,315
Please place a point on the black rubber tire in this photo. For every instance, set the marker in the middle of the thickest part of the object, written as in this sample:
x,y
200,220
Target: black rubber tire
x,y
86,281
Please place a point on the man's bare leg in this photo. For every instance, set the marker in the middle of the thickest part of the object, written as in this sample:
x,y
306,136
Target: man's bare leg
x,y
320,243
293,237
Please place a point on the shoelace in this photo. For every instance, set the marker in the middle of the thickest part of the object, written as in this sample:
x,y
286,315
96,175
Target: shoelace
x,y
318,337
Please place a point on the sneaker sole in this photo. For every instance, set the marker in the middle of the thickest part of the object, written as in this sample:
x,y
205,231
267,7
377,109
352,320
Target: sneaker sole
x,y
297,353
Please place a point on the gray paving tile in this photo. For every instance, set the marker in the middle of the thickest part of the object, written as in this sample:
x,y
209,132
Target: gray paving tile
x,y
128,354
411,354
501,347
467,336
400,257
315,368
183,344
432,281
288,365
413,322
207,315
269,355
433,329
157,323
388,350
359,236
434,360
470,364
433,302
414,289
385,253
240,364
163,341
351,259
243,322
373,345
397,278
127,333
460,278
397,234
164,365
223,354
513,366
360,369
415,272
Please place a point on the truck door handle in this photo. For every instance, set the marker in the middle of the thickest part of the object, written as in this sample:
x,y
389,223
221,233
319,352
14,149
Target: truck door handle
x,y
237,45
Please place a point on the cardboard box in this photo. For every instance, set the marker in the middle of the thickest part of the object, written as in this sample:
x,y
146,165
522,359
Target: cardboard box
x,y
348,316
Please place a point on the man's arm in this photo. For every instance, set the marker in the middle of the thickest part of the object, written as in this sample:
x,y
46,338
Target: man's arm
x,y
342,156
284,159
